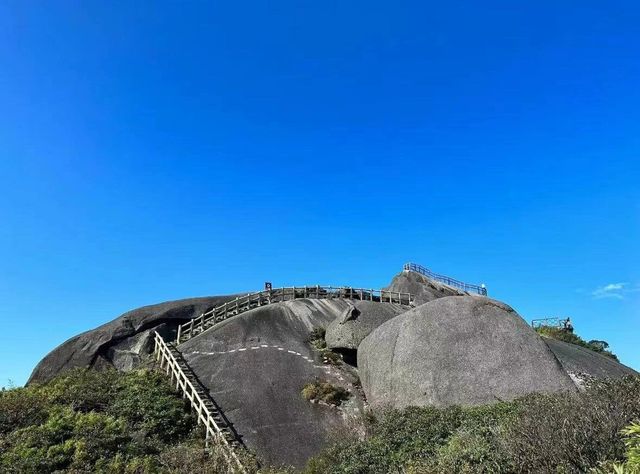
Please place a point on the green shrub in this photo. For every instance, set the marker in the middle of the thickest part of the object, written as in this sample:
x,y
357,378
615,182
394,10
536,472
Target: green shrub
x,y
316,338
319,391
66,440
573,432
21,407
467,452
632,443
90,421
565,432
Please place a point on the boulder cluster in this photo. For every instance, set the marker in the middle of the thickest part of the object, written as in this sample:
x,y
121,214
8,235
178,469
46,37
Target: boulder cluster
x,y
450,348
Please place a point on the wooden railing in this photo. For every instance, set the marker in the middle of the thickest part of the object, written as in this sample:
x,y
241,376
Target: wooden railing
x,y
252,300
414,267
202,406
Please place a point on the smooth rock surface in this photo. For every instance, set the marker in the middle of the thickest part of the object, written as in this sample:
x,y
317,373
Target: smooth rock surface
x,y
124,342
579,361
255,366
349,329
463,350
422,288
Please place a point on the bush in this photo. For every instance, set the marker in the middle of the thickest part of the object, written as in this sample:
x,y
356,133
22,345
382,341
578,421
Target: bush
x,y
632,443
573,432
90,421
565,432
21,407
319,391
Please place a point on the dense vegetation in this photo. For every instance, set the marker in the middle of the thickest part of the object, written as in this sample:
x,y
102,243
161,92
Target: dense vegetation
x,y
106,422
561,334
570,432
133,423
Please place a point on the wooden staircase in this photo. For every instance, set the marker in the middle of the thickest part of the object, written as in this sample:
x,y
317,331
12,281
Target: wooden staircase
x,y
217,426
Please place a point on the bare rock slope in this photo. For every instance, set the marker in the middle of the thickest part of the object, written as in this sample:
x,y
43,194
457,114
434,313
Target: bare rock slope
x,y
255,366
579,361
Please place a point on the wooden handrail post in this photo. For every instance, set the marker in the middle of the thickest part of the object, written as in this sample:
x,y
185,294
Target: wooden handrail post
x,y
179,333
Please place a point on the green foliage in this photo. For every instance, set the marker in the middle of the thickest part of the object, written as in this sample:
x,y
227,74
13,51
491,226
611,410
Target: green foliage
x,y
21,407
632,443
319,391
317,337
573,432
317,340
566,432
90,421
567,336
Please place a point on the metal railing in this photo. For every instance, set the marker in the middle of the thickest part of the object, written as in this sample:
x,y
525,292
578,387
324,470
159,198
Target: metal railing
x,y
170,364
557,322
253,300
414,267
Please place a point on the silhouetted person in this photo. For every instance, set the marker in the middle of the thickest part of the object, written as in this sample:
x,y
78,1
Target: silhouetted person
x,y
567,325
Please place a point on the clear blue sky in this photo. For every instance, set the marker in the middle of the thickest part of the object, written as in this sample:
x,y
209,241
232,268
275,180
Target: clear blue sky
x,y
152,151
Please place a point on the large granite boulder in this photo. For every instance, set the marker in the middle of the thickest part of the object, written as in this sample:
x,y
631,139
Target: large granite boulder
x,y
422,288
457,350
255,366
350,328
124,342
356,322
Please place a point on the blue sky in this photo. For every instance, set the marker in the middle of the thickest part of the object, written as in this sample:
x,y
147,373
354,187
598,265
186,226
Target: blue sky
x,y
153,151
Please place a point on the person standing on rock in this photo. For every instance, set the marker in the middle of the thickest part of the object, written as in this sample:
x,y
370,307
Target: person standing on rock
x,y
567,325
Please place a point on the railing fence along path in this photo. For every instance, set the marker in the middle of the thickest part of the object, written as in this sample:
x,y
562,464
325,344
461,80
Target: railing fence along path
x,y
252,300
414,267
216,425
556,322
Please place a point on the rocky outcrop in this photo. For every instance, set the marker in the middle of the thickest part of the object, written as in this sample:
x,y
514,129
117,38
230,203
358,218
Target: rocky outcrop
x,y
424,289
348,331
255,366
581,363
361,317
456,350
124,342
